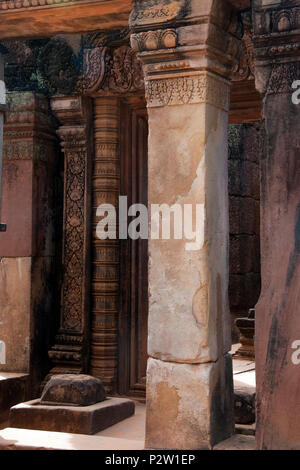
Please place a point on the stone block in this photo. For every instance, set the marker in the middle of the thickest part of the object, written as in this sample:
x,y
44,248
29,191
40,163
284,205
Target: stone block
x,y
244,403
189,406
15,308
188,290
73,390
13,389
72,419
244,215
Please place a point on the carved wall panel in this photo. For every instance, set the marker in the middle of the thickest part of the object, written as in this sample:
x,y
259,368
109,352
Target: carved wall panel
x,y
70,351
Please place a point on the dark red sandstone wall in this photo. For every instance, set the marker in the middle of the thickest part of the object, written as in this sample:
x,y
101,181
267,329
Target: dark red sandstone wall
x,y
245,151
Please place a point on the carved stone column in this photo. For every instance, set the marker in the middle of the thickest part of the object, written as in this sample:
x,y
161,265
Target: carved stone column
x,y
2,109
111,72
70,353
189,376
106,265
277,338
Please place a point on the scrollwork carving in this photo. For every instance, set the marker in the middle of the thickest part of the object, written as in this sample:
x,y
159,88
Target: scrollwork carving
x,y
152,40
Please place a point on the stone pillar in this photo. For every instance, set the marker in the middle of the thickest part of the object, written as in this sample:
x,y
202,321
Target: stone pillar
x,y
277,339
27,248
106,265
189,376
2,109
70,352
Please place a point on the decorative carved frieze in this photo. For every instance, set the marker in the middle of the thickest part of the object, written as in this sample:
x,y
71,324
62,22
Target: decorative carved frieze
x,y
155,11
70,351
27,126
200,88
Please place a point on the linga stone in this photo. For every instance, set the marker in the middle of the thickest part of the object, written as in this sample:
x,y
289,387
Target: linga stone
x,y
73,390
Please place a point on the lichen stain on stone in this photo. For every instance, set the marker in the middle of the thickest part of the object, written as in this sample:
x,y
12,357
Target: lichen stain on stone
x,y
167,404
200,306
10,172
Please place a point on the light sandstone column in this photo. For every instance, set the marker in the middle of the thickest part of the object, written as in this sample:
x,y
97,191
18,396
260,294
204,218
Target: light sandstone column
x,y
189,375
277,322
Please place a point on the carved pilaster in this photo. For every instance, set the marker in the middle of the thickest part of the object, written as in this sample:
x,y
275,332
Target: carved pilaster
x,y
2,109
277,326
106,264
70,353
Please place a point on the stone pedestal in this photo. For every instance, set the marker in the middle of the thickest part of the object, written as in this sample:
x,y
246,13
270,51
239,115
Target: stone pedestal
x,y
73,403
277,338
74,419
189,380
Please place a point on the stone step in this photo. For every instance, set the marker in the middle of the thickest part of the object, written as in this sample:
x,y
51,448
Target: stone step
x,y
237,442
13,390
71,419
25,439
244,401
246,429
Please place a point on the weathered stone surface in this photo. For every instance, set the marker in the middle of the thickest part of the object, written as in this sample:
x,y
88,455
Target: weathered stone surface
x,y
188,289
74,419
73,389
27,248
237,442
277,312
15,307
244,403
189,406
245,429
24,439
13,389
66,17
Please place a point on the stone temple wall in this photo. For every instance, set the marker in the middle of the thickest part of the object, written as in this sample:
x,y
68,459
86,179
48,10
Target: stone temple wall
x,y
245,152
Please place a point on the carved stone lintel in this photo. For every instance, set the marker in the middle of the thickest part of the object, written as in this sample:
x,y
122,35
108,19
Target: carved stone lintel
x,y
70,351
111,71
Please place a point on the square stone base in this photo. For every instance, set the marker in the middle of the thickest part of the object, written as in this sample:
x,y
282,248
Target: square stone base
x,y
189,406
71,419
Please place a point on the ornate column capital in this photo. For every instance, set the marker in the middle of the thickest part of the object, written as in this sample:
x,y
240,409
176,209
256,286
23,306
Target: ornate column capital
x,y
276,44
185,62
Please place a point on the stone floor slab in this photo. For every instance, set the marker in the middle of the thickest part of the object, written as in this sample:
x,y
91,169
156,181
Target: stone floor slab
x,y
24,439
71,419
237,442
